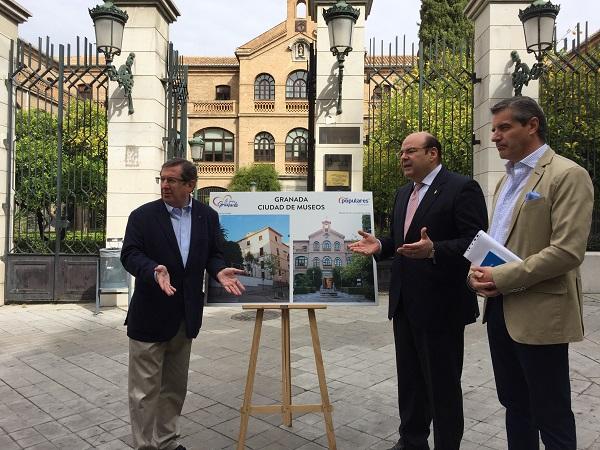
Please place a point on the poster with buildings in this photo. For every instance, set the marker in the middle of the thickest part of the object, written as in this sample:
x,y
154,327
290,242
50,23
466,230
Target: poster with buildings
x,y
293,247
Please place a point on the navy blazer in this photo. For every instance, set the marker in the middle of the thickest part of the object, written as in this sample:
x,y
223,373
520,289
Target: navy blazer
x,y
433,292
149,241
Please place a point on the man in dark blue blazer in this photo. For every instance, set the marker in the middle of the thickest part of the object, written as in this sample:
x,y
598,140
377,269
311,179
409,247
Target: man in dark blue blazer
x,y
168,244
434,220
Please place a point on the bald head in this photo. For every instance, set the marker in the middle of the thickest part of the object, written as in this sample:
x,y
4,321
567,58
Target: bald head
x,y
421,153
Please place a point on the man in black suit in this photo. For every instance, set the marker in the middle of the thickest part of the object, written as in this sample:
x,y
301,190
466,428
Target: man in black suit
x,y
435,218
168,244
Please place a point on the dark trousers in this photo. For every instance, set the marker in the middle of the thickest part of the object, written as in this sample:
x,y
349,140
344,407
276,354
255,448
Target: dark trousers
x,y
533,385
429,366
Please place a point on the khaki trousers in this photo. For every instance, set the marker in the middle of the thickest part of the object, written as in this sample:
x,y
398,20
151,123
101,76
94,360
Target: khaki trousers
x,y
158,375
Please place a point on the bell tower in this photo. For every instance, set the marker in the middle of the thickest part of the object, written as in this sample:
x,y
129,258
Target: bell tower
x,y
297,16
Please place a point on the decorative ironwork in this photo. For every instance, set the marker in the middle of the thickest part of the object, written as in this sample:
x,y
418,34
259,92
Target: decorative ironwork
x,y
124,77
522,74
570,97
176,91
431,90
57,210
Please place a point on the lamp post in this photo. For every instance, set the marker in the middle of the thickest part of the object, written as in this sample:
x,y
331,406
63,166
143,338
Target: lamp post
x,y
340,20
197,148
109,22
539,21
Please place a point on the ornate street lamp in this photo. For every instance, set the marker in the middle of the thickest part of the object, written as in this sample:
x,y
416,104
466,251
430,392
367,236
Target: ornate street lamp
x,y
340,20
539,21
197,148
109,22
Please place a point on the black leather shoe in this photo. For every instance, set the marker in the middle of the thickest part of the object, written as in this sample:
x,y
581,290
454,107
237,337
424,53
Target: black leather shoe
x,y
180,447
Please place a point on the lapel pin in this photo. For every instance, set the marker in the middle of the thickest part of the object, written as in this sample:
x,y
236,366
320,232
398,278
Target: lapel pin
x,y
435,192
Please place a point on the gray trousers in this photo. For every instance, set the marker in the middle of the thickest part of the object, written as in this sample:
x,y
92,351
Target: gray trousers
x,y
158,374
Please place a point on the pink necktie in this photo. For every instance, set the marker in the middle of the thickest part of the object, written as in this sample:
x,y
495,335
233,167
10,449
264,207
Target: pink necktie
x,y
413,203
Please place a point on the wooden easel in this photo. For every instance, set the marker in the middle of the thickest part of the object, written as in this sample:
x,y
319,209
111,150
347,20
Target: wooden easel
x,y
286,408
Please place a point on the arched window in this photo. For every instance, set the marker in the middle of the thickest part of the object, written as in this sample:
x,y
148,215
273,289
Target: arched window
x,y
264,87
218,144
223,92
296,144
203,195
301,261
326,245
316,262
295,86
337,246
264,147
301,9
316,246
327,261
338,262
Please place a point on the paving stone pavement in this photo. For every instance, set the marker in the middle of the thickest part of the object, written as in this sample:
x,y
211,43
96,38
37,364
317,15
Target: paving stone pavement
x,y
63,381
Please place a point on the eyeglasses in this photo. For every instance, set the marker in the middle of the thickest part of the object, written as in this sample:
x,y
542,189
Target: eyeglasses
x,y
409,151
170,180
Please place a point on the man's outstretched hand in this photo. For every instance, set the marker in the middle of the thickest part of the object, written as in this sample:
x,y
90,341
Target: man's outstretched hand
x,y
161,274
368,245
228,279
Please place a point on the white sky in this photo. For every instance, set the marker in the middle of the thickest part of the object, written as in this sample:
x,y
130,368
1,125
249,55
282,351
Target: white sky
x,y
217,27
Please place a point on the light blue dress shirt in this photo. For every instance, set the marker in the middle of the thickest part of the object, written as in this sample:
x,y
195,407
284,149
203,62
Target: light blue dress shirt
x,y
516,177
427,181
181,219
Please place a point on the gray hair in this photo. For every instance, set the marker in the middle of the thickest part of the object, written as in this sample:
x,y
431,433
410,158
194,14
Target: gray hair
x,y
523,109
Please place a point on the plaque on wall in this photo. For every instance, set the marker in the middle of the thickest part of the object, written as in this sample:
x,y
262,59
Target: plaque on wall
x,y
300,26
339,135
338,173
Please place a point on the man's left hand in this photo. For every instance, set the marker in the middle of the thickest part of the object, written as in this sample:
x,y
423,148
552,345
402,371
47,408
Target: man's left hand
x,y
227,278
419,250
481,280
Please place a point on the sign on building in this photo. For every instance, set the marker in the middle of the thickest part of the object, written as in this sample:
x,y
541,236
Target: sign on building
x,y
293,247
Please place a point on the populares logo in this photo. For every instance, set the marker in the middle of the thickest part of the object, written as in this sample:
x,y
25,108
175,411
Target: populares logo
x,y
353,200
225,202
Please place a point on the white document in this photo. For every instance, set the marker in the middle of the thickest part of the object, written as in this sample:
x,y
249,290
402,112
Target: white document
x,y
485,251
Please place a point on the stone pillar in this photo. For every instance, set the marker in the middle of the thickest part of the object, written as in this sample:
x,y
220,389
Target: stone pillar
x,y
498,31
11,15
136,149
339,134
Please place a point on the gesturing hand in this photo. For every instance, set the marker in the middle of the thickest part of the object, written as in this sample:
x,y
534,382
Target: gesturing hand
x,y
368,245
164,280
421,249
227,278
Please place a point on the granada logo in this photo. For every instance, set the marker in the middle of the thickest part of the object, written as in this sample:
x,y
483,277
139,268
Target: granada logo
x,y
352,200
225,202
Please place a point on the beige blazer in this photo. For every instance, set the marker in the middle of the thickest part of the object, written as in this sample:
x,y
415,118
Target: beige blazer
x,y
542,294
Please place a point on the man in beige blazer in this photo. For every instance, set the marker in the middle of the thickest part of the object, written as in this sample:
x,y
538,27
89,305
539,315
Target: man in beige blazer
x,y
542,212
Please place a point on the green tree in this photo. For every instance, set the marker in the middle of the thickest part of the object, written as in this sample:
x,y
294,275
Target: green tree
x,y
84,147
232,254
314,276
264,175
444,23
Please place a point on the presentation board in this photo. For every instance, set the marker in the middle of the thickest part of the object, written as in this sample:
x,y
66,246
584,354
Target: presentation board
x,y
293,247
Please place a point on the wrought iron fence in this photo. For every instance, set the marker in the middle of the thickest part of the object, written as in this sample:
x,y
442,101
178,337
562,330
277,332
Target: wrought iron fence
x,y
414,89
59,103
176,96
570,97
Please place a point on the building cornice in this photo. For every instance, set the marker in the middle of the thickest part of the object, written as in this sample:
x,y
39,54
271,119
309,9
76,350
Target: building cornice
x,y
314,4
475,7
14,11
167,8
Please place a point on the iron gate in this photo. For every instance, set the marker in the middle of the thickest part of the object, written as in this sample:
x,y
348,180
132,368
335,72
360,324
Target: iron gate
x,y
176,99
57,171
570,97
431,90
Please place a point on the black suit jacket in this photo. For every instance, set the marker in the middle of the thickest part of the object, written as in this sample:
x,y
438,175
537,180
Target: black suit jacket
x,y
433,292
149,241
